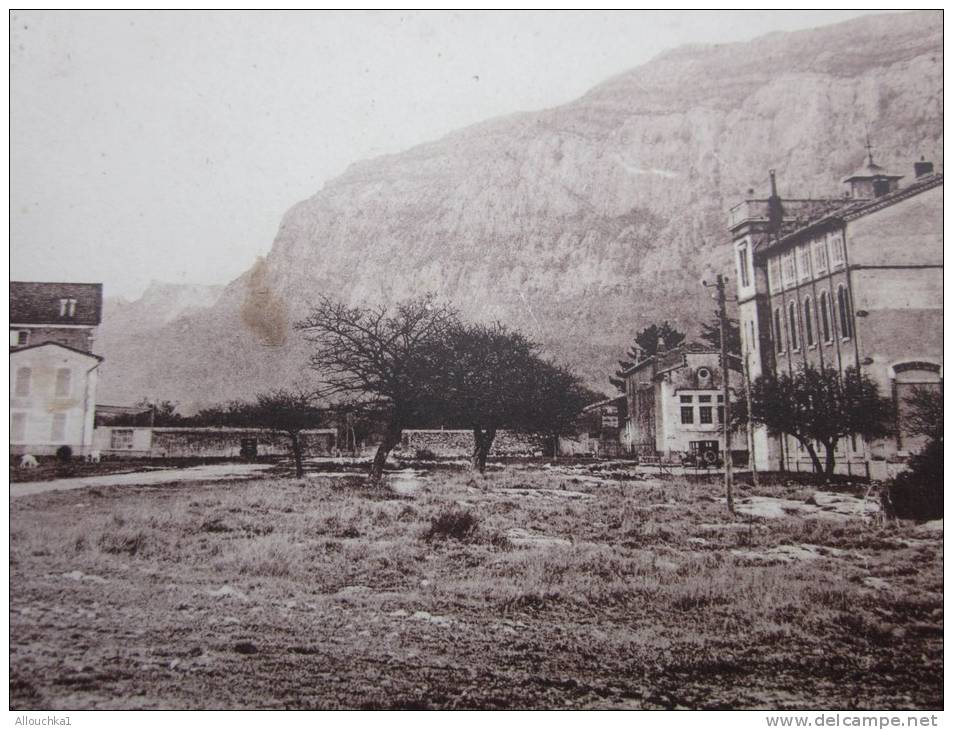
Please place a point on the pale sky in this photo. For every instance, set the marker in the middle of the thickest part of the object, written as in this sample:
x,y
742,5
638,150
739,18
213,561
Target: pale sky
x,y
167,145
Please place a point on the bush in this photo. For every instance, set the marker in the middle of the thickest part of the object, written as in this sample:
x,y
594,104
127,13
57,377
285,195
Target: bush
x,y
453,524
917,493
64,454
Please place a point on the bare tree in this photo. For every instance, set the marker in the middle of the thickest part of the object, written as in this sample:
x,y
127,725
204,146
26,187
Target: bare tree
x,y
380,357
287,411
484,382
818,405
555,398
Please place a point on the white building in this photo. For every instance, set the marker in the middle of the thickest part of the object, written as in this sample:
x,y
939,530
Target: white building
x,y
53,370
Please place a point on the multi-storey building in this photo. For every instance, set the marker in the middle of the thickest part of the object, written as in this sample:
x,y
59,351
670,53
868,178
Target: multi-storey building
x,y
52,367
845,282
675,404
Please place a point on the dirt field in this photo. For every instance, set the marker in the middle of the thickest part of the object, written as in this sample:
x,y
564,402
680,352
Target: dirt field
x,y
533,588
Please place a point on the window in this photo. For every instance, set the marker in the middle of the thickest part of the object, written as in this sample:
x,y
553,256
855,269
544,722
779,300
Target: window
x,y
843,312
19,338
820,257
704,399
787,269
826,317
793,328
721,399
688,415
58,431
120,438
743,264
778,337
721,414
17,427
774,275
22,387
804,263
63,377
809,322
685,398
837,251
704,373
67,307
704,414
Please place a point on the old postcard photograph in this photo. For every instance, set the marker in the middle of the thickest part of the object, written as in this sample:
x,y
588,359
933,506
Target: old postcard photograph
x,y
477,360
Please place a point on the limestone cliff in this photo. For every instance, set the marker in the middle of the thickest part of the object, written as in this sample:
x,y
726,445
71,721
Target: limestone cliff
x,y
578,224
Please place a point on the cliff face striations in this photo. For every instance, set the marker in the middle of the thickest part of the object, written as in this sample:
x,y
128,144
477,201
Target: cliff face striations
x,y
578,224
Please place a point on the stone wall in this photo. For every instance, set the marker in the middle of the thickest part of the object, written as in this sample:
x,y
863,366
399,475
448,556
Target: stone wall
x,y
208,442
459,443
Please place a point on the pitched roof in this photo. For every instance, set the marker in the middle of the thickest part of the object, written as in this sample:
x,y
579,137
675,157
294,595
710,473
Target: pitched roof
x,y
675,358
38,302
606,402
869,170
18,350
853,209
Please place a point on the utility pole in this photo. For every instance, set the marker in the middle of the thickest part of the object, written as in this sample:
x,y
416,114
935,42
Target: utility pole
x,y
726,421
749,427
719,287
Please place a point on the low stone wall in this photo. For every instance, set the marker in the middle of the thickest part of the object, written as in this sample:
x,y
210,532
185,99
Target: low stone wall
x,y
447,443
206,442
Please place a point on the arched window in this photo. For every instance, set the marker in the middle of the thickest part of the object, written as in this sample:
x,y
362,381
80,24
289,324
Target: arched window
x,y
792,325
809,322
843,312
826,317
778,337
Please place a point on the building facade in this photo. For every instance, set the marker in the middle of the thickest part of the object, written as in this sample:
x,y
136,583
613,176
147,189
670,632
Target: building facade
x,y
854,281
53,370
601,430
675,405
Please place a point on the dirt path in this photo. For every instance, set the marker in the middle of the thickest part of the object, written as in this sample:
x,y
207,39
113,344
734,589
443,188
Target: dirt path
x,y
209,472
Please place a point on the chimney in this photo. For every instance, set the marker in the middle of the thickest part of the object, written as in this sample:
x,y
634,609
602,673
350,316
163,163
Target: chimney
x,y
922,168
775,210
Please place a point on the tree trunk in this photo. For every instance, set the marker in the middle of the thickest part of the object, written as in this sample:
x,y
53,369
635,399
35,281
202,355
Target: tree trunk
x,y
482,443
296,450
813,454
391,439
829,458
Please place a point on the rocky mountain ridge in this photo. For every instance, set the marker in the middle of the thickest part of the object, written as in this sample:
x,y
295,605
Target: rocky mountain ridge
x,y
579,224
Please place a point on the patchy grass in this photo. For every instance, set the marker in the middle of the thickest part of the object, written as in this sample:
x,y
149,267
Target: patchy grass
x,y
529,587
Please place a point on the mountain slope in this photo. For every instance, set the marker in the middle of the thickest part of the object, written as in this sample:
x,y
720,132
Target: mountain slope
x,y
578,224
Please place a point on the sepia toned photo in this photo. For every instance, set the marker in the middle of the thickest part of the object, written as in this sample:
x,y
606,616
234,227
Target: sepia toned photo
x,y
477,360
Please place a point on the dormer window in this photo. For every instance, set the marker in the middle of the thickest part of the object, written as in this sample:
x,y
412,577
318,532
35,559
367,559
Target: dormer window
x,y
881,186
837,251
788,275
774,275
804,263
67,307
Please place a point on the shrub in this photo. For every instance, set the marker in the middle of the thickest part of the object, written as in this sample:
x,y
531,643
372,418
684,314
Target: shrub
x,y
917,492
128,542
64,454
456,524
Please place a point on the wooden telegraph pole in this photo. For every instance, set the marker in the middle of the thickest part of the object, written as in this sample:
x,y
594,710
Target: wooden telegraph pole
x,y
726,421
749,428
